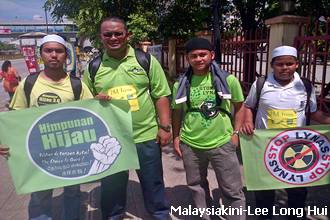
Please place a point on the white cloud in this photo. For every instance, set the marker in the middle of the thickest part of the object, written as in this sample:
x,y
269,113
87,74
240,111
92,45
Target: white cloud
x,y
20,9
38,18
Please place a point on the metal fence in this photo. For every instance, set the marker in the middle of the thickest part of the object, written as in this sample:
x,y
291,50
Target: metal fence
x,y
245,55
313,45
181,61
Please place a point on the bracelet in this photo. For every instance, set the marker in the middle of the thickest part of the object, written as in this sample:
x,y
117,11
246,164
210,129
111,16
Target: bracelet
x,y
236,132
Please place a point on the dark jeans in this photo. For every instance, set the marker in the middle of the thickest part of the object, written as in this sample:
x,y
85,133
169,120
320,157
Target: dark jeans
x,y
113,188
296,199
40,205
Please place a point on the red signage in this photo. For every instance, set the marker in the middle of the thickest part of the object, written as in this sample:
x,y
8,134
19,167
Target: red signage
x,y
5,30
29,54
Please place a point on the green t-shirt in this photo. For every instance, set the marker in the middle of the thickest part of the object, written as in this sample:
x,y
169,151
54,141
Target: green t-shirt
x,y
125,79
198,131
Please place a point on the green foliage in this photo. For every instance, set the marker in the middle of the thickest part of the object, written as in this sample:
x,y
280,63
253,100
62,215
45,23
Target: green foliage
x,y
142,26
313,8
180,18
88,14
253,13
4,46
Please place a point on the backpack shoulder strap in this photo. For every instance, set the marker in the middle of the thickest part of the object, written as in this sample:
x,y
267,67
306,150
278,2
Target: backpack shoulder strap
x,y
76,87
308,86
224,72
28,85
143,59
94,66
259,85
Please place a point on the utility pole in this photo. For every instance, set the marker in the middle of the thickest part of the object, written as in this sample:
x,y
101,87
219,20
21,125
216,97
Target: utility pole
x,y
46,20
216,30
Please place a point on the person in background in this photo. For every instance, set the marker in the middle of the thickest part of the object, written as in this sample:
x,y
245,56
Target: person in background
x,y
10,78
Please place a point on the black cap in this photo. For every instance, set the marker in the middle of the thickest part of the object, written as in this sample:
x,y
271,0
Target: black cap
x,y
198,43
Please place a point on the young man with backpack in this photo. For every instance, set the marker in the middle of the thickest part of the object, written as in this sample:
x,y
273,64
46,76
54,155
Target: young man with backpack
x,y
51,86
282,100
126,74
202,128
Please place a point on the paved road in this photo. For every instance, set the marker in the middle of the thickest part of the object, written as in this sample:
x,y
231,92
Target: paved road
x,y
14,207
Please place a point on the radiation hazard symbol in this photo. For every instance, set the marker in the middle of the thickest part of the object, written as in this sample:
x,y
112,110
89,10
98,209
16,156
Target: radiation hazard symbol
x,y
298,156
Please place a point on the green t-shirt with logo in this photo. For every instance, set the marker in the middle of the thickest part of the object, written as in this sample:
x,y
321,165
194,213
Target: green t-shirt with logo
x,y
201,132
125,79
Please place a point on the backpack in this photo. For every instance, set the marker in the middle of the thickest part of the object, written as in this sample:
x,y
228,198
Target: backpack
x,y
142,57
31,79
308,86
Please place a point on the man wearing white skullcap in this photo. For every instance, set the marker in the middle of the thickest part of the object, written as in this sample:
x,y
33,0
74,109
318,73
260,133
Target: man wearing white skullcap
x,y
283,102
53,38
50,86
284,51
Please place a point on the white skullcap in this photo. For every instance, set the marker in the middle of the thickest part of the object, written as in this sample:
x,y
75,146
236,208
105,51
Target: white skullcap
x,y
53,38
284,51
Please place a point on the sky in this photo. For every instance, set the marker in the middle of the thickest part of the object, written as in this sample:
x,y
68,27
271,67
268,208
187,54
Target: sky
x,y
28,10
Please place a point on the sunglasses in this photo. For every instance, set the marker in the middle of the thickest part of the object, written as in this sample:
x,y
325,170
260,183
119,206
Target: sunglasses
x,y
115,34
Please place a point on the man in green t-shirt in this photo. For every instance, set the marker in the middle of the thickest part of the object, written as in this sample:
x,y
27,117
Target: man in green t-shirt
x,y
202,101
121,76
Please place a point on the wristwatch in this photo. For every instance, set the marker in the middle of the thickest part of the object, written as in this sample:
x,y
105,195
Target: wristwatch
x,y
166,128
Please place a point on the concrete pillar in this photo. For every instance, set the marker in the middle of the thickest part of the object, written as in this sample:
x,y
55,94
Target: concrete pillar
x,y
172,57
283,30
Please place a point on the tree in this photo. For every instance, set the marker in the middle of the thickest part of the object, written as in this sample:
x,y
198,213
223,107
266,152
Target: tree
x,y
4,46
313,8
180,18
88,14
253,13
143,27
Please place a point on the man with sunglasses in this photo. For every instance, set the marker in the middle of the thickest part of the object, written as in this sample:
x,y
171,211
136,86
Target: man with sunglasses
x,y
202,128
120,76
